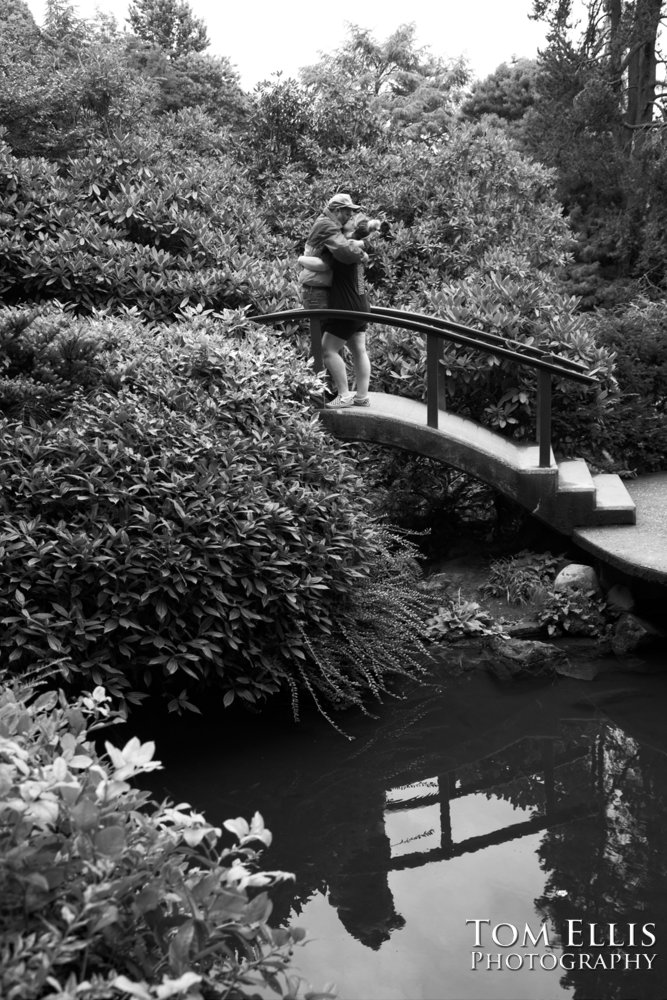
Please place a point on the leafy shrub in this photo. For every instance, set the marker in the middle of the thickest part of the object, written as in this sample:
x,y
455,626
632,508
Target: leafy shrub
x,y
103,892
522,308
66,86
575,612
195,528
635,431
45,359
521,577
450,203
459,619
433,503
135,223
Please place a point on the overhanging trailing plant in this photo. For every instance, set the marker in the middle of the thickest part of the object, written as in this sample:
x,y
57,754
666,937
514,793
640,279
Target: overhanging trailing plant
x,y
103,893
379,630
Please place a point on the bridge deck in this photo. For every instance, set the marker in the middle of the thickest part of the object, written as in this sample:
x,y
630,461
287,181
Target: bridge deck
x,y
637,549
402,423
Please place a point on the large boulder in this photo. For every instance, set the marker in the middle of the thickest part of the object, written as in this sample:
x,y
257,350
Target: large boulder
x,y
632,633
577,576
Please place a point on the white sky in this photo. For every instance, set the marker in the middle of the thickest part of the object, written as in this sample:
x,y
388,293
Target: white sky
x,y
262,36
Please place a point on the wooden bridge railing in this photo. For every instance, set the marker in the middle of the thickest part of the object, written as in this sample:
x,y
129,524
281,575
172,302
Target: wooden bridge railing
x,y
437,332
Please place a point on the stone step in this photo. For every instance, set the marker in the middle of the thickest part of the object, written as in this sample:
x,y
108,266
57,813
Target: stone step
x,y
575,494
613,503
587,500
574,477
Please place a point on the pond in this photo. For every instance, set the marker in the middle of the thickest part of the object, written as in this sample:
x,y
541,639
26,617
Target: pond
x,y
475,840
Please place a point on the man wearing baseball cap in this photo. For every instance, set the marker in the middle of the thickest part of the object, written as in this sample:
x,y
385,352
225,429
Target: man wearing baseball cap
x,y
328,246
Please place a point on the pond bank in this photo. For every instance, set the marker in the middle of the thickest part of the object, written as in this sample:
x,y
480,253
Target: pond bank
x,y
606,621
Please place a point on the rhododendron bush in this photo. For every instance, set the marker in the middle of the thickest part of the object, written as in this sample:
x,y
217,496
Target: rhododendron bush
x,y
103,892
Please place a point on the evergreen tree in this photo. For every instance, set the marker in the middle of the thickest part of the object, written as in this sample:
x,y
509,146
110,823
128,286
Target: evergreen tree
x,y
17,27
169,24
391,84
507,93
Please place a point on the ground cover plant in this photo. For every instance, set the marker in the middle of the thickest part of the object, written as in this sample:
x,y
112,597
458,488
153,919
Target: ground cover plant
x,y
105,893
458,618
521,577
574,612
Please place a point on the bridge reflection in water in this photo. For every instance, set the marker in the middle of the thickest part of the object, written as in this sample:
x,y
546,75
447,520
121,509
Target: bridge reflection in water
x,y
462,802
451,789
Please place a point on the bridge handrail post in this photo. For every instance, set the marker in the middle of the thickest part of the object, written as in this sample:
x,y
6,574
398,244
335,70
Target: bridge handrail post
x,y
316,342
434,380
544,418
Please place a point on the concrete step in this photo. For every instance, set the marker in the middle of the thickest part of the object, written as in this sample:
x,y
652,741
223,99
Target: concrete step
x,y
575,494
613,503
574,477
587,500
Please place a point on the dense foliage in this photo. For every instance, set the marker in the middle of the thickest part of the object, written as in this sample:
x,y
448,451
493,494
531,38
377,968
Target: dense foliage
x,y
185,524
595,110
135,223
220,538
635,431
105,893
173,519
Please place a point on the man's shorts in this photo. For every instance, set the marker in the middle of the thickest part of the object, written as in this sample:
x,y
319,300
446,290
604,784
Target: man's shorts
x,y
314,298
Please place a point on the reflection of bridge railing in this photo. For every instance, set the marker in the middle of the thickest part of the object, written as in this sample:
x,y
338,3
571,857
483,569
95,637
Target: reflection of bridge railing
x,y
553,815
513,832
437,331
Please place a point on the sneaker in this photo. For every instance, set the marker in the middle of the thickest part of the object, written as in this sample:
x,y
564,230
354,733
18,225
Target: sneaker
x,y
340,401
361,401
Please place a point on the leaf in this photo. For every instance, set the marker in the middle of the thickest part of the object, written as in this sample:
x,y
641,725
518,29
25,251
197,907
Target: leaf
x,y
148,899
137,990
179,947
85,815
110,841
258,909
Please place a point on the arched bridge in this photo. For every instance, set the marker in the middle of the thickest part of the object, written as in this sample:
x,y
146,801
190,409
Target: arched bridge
x,y
563,494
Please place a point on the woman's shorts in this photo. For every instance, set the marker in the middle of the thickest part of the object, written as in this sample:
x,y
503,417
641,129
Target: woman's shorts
x,y
342,329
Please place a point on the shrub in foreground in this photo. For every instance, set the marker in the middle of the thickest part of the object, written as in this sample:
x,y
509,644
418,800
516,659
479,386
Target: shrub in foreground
x,y
103,893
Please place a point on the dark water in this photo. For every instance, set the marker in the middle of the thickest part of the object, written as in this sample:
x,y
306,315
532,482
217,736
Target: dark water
x,y
521,807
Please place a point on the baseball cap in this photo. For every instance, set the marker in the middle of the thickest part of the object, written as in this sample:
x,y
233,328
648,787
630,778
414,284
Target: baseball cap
x,y
342,201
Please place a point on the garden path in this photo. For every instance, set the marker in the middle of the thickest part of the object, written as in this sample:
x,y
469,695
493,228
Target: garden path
x,y
638,549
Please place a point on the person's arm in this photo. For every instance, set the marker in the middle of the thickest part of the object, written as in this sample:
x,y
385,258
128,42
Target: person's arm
x,y
344,250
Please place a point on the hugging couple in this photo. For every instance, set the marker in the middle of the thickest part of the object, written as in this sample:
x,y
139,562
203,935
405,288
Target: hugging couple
x,y
332,277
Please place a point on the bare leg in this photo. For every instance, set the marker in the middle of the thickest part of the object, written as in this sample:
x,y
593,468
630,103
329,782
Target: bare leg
x,y
362,365
334,363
